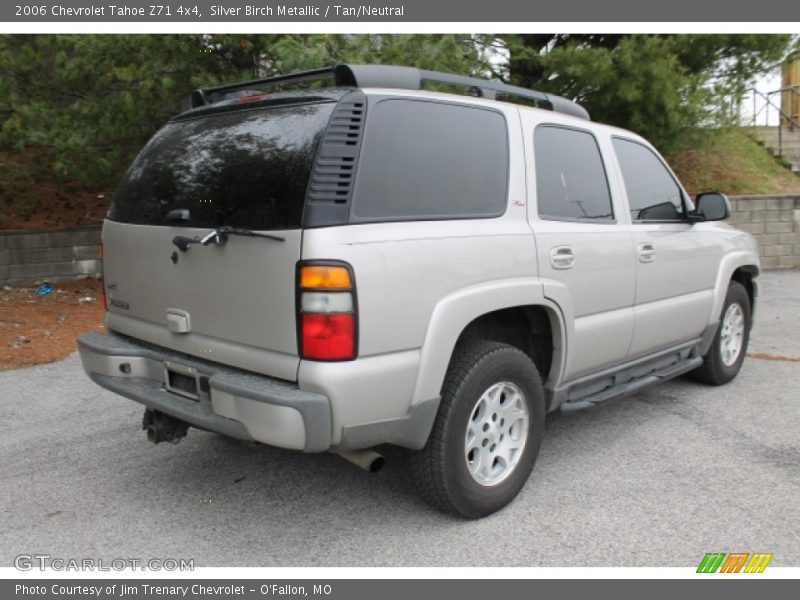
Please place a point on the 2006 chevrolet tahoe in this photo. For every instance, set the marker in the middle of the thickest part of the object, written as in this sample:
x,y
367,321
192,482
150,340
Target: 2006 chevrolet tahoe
x,y
335,268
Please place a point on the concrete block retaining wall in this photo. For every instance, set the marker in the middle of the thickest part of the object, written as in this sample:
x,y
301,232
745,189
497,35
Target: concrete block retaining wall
x,y
775,223
27,257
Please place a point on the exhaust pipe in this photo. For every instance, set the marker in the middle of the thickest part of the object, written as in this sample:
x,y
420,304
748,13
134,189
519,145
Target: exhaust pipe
x,y
163,428
368,460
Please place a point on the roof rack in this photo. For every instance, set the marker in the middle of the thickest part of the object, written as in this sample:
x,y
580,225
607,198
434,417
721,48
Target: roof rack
x,y
390,76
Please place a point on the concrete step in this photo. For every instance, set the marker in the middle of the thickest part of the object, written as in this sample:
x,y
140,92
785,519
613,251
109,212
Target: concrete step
x,y
789,148
772,130
784,149
784,143
786,137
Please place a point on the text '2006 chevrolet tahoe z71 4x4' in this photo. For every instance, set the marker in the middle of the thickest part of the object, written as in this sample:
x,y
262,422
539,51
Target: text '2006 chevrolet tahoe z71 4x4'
x,y
335,268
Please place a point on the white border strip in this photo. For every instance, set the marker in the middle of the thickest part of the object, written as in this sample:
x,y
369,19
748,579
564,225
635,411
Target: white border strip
x,y
333,573
148,27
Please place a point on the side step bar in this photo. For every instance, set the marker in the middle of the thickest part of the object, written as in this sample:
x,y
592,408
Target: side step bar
x,y
634,385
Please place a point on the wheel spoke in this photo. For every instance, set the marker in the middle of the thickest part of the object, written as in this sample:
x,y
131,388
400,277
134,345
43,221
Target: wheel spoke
x,y
492,398
512,406
472,435
503,457
517,430
484,462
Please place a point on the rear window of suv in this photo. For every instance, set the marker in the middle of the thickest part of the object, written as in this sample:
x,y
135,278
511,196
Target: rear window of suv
x,y
244,168
431,160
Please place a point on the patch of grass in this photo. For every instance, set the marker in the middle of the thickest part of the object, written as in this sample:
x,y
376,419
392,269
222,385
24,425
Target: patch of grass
x,y
730,161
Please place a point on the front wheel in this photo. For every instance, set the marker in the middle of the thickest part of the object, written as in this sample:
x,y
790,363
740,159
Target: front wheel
x,y
724,359
487,432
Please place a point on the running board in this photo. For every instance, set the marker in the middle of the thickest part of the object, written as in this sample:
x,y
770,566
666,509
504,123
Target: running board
x,y
630,387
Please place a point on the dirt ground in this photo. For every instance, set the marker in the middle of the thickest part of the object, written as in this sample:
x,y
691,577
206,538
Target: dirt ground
x,y
38,329
49,208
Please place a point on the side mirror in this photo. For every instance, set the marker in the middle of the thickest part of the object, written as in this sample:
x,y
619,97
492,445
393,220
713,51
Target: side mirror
x,y
712,206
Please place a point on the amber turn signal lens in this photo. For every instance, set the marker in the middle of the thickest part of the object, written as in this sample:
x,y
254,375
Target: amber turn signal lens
x,y
324,277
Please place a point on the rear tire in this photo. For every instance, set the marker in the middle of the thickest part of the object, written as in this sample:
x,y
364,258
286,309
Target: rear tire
x,y
724,359
487,432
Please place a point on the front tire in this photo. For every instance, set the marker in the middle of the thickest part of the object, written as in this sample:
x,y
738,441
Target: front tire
x,y
487,432
724,359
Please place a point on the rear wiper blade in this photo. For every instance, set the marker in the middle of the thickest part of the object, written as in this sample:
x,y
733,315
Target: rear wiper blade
x,y
219,236
220,233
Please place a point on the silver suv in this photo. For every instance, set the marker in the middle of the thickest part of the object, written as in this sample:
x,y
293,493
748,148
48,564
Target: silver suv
x,y
336,267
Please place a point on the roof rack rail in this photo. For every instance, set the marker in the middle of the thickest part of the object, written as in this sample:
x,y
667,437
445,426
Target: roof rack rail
x,y
391,76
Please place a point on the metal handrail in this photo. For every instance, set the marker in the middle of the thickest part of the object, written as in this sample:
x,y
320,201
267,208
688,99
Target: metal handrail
x,y
782,115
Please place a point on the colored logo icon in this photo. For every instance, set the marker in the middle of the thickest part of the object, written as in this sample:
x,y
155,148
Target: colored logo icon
x,y
735,562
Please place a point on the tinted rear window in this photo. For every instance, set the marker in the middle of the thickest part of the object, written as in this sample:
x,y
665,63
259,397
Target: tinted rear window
x,y
248,168
431,160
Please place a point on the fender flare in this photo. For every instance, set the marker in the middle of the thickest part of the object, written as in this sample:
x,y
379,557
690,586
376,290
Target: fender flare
x,y
457,310
729,264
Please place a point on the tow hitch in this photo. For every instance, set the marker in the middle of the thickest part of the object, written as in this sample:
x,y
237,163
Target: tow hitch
x,y
161,427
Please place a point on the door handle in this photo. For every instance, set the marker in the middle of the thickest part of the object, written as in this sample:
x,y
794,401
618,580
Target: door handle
x,y
562,257
647,252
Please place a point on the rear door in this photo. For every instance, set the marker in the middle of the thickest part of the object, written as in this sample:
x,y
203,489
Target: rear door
x,y
585,255
234,302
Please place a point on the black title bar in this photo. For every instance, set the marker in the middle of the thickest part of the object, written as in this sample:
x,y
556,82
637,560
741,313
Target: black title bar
x,y
459,11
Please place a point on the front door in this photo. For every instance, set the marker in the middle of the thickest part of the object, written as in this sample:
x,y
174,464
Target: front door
x,y
676,261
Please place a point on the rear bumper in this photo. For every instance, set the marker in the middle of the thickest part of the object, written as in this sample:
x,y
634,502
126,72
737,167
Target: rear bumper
x,y
235,403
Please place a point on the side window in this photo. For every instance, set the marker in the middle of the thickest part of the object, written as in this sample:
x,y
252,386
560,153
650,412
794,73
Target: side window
x,y
571,181
653,194
431,160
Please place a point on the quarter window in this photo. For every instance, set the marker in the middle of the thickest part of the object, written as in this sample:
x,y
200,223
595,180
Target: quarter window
x,y
571,181
431,160
653,194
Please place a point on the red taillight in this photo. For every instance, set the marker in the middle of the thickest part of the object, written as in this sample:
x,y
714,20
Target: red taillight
x,y
328,337
327,320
